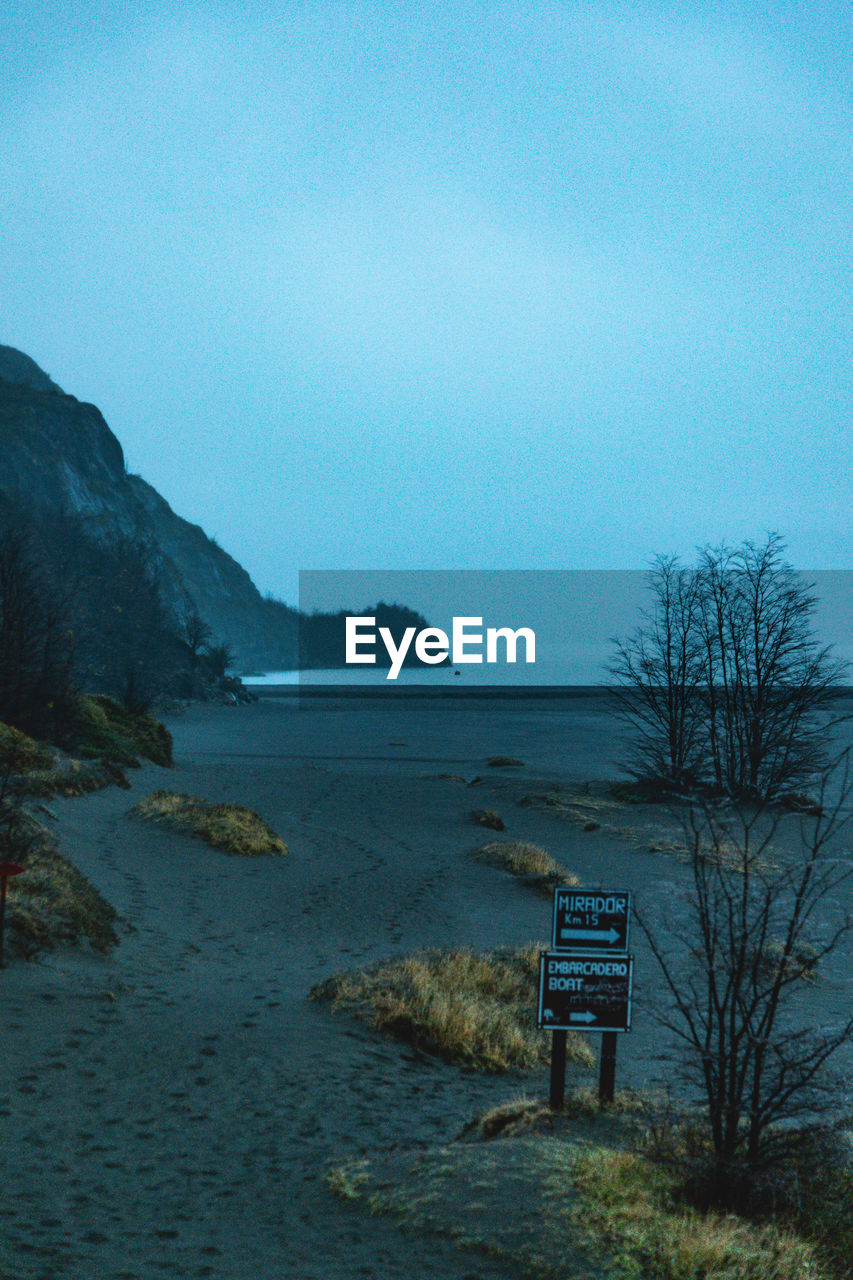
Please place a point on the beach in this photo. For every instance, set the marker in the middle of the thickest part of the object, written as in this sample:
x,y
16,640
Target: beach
x,y
173,1109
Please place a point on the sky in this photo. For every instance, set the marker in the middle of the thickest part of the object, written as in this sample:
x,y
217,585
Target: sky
x,y
445,285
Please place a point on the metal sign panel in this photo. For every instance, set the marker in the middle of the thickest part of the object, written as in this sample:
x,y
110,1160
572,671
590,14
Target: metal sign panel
x,y
591,919
585,991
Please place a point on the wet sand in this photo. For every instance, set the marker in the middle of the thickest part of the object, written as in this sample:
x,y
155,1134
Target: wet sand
x,y
172,1110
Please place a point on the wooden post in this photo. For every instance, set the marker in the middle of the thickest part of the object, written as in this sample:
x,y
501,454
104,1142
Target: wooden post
x,y
607,1076
558,1070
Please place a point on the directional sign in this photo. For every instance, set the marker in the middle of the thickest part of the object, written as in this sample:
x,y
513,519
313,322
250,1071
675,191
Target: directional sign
x,y
585,991
591,918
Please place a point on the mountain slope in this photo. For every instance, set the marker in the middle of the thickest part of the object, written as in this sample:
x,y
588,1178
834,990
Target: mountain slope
x,y
60,459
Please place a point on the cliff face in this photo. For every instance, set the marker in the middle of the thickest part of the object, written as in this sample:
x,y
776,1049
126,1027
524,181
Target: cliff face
x,y
58,457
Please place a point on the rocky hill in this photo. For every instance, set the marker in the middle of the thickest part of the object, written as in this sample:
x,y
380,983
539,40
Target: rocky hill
x,y
60,459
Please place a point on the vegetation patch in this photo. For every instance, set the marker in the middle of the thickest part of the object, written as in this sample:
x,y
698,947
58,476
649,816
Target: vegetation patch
x,y
631,1212
645,791
595,807
529,862
488,818
20,753
503,762
71,778
52,902
33,769
229,827
472,1008
105,728
590,1207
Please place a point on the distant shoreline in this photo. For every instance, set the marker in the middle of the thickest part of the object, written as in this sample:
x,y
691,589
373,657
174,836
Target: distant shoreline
x,y
530,691
490,691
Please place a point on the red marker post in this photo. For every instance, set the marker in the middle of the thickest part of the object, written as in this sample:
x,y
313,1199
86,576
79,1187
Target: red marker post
x,y
7,870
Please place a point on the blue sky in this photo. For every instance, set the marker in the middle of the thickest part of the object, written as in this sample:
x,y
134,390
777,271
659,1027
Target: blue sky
x,y
445,286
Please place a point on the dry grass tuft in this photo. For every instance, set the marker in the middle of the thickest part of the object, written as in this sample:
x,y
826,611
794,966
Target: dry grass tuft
x,y
52,902
527,861
509,1119
229,827
42,771
72,778
582,1113
475,1009
488,818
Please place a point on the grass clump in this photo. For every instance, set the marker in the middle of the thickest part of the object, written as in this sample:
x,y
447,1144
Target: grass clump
x,y
472,1008
32,769
229,827
488,818
529,862
52,902
508,1119
105,728
72,778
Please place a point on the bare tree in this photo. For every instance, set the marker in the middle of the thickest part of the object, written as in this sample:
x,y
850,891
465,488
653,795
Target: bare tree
x,y
769,684
659,672
724,685
762,916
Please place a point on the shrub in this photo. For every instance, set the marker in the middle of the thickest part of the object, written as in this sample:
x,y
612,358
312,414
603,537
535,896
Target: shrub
x,y
475,1009
529,862
20,754
229,827
106,728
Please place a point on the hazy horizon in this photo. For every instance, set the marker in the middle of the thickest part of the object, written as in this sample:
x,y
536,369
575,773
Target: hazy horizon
x,y
576,616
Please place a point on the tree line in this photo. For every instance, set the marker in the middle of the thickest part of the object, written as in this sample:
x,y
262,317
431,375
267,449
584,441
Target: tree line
x,y
79,615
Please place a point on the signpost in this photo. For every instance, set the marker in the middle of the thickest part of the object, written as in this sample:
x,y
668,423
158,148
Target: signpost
x,y
587,920
7,869
583,991
585,981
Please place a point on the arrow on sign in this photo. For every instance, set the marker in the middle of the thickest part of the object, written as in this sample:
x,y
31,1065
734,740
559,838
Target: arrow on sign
x,y
591,935
586,1016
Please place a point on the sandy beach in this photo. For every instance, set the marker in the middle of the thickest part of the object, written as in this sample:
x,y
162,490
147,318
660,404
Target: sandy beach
x,y
172,1110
